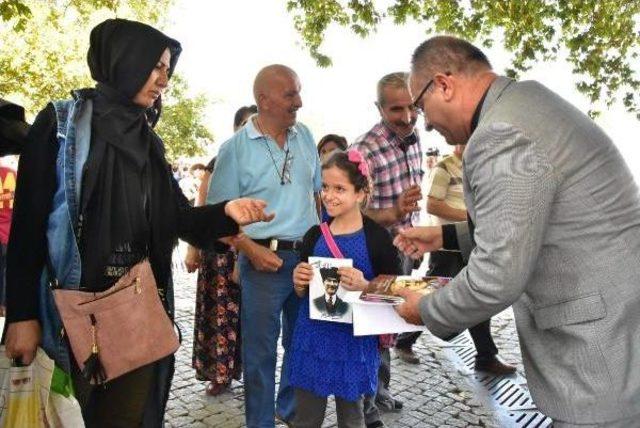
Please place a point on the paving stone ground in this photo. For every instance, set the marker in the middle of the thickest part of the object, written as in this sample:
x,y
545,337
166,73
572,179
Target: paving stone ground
x,y
436,393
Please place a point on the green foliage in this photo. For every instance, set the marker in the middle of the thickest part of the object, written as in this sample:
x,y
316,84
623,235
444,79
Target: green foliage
x,y
180,125
599,38
43,44
42,61
43,50
19,11
16,11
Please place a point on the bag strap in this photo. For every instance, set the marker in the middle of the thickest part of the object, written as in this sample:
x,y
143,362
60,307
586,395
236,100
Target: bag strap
x,y
331,243
178,329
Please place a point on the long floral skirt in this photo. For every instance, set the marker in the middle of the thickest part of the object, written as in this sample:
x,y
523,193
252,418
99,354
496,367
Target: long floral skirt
x,y
216,344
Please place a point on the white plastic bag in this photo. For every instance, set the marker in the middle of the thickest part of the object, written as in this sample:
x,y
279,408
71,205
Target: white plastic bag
x,y
63,410
27,399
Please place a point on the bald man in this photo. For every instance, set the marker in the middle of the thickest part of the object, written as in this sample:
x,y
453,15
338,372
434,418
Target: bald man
x,y
273,157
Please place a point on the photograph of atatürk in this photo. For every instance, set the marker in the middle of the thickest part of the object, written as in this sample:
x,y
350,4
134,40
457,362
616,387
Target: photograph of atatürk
x,y
330,303
328,300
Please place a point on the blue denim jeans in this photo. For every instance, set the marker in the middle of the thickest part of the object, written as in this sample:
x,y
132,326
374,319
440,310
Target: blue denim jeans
x,y
266,297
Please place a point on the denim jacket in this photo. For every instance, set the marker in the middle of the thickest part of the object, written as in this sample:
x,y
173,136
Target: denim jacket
x,y
73,119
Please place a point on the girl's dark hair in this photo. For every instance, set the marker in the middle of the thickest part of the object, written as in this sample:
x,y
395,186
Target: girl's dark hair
x,y
241,113
338,139
340,159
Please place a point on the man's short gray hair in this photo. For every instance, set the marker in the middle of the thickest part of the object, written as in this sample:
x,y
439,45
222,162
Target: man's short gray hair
x,y
395,80
448,54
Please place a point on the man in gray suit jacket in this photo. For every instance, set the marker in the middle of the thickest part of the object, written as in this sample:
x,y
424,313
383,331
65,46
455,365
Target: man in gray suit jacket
x,y
557,235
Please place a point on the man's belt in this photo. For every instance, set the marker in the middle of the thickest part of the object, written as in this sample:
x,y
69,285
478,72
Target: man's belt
x,y
279,244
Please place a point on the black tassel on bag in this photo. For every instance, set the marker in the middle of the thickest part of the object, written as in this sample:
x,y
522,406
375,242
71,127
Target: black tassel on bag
x,y
93,370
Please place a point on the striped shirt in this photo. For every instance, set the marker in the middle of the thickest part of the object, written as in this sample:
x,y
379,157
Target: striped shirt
x,y
392,169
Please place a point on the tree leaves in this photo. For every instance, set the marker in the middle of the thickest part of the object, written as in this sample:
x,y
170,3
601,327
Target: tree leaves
x,y
16,11
43,49
180,125
599,38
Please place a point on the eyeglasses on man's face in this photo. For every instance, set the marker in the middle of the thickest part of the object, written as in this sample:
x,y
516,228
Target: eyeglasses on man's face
x,y
418,103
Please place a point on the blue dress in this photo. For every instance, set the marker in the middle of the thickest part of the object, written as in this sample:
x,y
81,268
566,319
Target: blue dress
x,y
326,358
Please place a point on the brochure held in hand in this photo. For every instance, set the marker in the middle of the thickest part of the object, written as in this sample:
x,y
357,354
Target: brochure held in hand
x,y
384,288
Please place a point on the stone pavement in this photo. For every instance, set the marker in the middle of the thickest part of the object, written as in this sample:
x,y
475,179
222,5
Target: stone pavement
x,y
436,393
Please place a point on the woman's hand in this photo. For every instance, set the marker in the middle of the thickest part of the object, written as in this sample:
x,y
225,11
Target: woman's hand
x,y
302,276
192,259
352,279
22,340
246,211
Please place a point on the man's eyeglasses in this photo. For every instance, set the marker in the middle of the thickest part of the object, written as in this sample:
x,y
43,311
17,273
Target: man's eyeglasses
x,y
417,104
285,177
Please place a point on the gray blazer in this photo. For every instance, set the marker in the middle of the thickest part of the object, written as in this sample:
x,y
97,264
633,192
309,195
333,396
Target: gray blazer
x,y
557,216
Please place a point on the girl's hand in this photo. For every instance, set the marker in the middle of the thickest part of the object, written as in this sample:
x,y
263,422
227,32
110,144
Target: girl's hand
x,y
352,279
302,275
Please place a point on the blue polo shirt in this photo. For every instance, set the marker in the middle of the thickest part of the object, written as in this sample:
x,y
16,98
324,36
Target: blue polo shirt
x,y
250,165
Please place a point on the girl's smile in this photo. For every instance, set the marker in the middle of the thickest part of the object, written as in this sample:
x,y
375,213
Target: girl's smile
x,y
338,194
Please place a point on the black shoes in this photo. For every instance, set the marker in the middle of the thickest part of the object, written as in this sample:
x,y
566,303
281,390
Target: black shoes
x,y
407,355
392,405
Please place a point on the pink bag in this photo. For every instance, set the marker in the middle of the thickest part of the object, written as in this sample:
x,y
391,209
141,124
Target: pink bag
x,y
118,330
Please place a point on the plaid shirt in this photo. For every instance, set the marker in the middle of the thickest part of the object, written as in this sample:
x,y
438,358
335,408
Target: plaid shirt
x,y
392,170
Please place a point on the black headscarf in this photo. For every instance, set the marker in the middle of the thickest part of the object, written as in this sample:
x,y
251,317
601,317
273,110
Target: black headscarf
x,y
126,203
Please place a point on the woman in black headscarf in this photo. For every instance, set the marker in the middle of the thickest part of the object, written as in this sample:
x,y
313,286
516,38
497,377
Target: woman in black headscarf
x,y
118,202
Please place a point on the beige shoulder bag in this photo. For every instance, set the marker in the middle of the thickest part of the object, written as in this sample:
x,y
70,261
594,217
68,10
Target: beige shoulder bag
x,y
117,330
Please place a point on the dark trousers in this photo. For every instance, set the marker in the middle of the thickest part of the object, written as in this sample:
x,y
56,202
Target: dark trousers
x,y
449,263
310,411
119,403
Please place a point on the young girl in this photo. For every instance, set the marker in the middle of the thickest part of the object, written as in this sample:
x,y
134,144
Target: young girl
x,y
327,359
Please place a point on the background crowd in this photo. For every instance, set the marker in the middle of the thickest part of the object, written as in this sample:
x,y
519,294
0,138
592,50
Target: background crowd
x,y
533,208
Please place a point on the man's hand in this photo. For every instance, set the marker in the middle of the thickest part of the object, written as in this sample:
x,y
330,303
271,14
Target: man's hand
x,y
246,211
415,241
352,279
23,338
302,276
263,259
410,309
192,259
408,201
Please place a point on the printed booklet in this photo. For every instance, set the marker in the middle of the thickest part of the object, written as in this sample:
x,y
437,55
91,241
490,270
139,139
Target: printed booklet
x,y
384,288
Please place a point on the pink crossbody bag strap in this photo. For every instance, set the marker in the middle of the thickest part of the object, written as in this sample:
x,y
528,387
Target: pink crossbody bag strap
x,y
331,243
